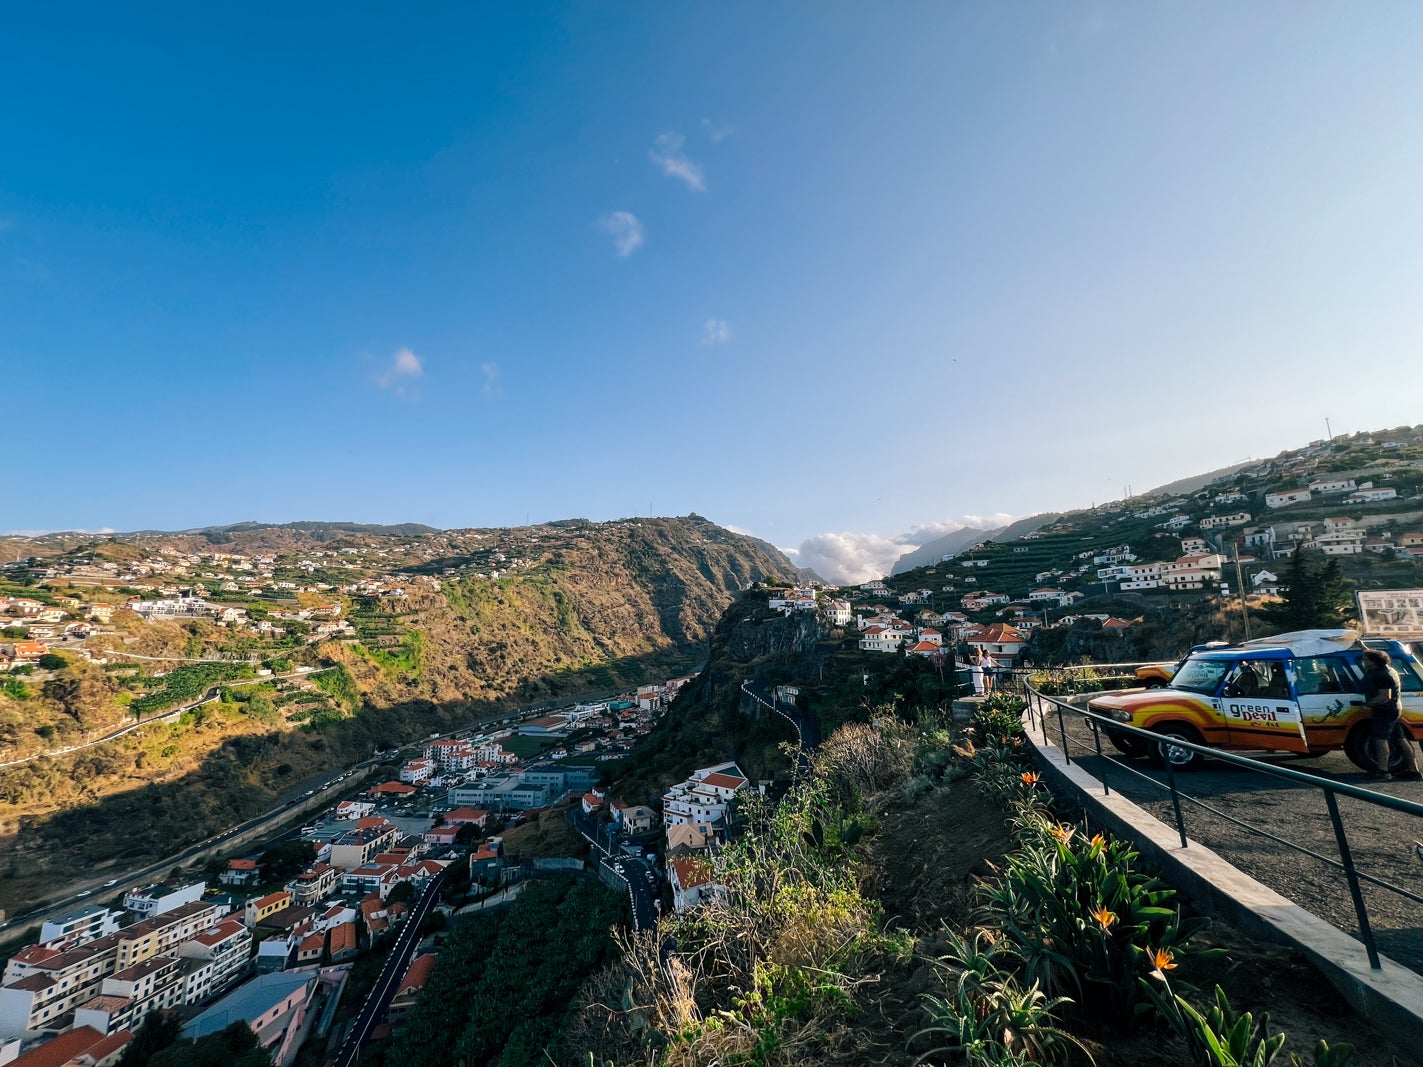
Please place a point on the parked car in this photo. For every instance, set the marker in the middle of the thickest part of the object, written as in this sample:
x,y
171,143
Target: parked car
x,y
1299,692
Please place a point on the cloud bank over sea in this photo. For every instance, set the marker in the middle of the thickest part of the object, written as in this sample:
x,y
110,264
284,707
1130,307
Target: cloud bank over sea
x,y
850,558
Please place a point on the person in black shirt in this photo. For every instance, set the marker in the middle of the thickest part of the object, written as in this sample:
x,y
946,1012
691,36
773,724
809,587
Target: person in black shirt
x,y
1388,744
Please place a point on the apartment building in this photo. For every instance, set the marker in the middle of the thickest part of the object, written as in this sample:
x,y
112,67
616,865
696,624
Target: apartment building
x,y
127,996
150,900
151,937
313,885
704,797
357,846
227,946
78,927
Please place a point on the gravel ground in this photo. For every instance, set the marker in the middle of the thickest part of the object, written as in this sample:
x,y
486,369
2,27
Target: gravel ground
x,y
1385,844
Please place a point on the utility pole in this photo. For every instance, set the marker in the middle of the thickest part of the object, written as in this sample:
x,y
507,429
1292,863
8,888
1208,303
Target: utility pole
x,y
1240,583
1329,433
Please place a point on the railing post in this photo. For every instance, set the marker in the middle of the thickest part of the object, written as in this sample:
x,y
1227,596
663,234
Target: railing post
x,y
1062,729
1097,737
1347,858
1175,798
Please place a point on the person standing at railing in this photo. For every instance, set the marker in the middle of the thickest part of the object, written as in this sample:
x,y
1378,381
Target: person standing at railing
x,y
990,670
975,671
1388,742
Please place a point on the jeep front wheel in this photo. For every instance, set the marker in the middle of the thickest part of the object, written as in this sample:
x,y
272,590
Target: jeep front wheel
x,y
1180,759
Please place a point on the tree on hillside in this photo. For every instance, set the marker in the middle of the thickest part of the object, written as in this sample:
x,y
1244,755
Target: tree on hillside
x,y
234,1047
285,861
159,1030
1315,594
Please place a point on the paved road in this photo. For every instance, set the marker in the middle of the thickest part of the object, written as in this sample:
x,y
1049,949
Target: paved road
x,y
1382,841
807,725
634,872
396,964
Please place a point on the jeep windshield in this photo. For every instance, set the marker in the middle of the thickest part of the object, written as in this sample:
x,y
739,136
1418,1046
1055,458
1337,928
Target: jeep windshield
x,y
1201,675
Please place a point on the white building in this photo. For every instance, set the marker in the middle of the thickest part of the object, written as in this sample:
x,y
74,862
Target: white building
x,y
78,927
1218,521
704,797
1332,485
880,639
1373,496
150,900
1285,499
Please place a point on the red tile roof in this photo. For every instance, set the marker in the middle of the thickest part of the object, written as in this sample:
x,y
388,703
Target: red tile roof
x,y
724,781
109,1045
418,974
394,788
462,815
62,1049
692,871
343,936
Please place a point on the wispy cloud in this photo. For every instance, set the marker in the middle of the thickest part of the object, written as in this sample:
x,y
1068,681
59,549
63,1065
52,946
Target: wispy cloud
x,y
717,131
667,155
399,377
626,231
492,388
715,332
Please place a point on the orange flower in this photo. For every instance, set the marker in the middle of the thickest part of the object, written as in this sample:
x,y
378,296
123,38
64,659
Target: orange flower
x,y
1105,917
1029,778
1161,960
1063,833
1098,841
1017,742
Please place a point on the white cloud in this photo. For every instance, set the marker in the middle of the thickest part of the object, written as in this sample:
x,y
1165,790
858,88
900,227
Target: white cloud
x,y
851,558
492,388
717,131
626,231
716,332
666,153
405,366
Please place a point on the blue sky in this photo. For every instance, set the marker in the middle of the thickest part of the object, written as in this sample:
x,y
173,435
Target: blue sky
x,y
837,274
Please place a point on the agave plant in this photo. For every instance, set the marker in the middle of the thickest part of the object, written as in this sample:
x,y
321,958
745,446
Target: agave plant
x,y
986,1017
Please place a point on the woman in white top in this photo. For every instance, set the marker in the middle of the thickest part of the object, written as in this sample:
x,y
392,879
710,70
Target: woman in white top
x,y
989,666
975,671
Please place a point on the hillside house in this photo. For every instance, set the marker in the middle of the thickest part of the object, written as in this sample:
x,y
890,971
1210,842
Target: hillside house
x,y
1002,641
1373,496
241,871
704,797
880,639
1287,497
1332,485
693,880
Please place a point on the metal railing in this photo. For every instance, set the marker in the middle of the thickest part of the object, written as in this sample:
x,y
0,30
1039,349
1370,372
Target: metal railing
x,y
1040,705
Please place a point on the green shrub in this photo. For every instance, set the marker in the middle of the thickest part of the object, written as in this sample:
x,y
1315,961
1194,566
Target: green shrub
x,y
985,1016
1085,920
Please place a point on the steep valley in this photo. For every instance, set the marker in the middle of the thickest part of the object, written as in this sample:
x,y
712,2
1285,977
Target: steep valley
x,y
446,639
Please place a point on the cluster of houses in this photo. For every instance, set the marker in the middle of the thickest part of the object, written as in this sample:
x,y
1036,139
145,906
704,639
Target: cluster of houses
x,y
695,815
482,772
811,598
178,947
